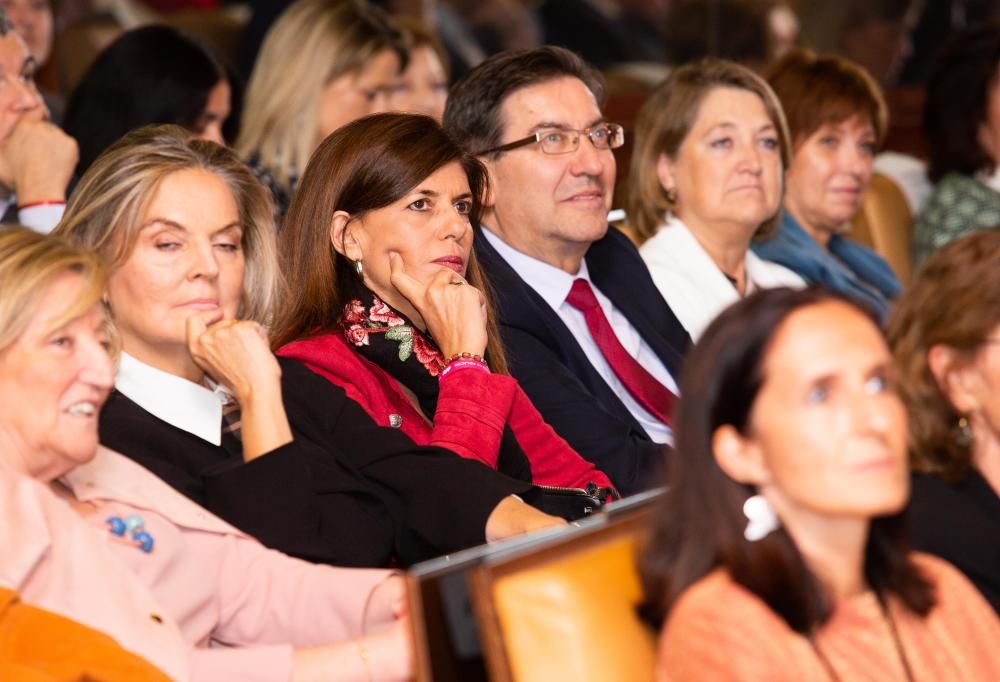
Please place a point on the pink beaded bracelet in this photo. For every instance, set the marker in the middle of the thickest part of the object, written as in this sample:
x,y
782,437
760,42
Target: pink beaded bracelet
x,y
456,365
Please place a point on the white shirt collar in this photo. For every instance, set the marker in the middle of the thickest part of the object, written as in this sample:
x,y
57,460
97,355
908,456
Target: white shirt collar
x,y
177,401
551,283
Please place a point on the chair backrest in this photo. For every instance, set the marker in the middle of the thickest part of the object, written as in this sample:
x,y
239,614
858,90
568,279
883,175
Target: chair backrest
x,y
567,611
885,223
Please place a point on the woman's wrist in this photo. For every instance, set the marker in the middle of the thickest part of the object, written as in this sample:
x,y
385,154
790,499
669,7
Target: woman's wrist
x,y
464,361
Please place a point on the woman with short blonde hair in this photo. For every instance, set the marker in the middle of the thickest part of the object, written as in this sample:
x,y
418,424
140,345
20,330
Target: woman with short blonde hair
x,y
323,64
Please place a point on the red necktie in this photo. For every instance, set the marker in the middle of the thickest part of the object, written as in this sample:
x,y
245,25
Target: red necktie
x,y
650,393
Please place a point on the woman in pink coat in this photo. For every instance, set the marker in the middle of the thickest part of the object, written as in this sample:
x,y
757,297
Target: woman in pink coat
x,y
105,542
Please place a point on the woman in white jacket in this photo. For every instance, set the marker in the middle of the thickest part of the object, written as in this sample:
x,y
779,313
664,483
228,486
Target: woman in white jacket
x,y
706,178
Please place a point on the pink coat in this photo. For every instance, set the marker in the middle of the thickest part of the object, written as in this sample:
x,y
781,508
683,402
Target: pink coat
x,y
472,410
204,582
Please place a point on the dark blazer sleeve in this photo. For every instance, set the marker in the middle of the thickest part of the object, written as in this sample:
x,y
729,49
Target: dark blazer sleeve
x,y
617,447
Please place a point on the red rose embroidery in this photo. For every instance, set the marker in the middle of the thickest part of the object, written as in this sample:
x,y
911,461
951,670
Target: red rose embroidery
x,y
357,335
380,312
427,355
354,312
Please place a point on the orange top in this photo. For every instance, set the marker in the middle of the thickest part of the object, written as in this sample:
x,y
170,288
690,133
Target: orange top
x,y
719,631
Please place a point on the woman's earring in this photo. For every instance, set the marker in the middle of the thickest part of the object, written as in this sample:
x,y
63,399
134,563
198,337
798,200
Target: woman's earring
x,y
359,268
761,519
963,433
672,196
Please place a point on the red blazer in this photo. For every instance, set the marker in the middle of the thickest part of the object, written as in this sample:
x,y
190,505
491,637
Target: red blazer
x,y
472,409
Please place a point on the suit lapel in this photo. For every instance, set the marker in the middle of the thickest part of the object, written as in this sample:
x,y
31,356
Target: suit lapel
x,y
521,307
619,272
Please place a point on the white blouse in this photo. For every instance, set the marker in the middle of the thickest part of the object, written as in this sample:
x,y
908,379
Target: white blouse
x,y
693,285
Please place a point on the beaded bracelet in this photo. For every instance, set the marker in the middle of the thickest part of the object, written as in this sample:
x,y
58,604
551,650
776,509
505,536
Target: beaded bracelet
x,y
457,365
466,356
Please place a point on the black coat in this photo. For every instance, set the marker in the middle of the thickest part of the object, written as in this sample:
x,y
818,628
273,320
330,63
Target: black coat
x,y
960,522
555,373
346,491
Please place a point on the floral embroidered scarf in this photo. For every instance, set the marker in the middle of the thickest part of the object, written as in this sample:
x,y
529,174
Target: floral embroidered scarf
x,y
388,338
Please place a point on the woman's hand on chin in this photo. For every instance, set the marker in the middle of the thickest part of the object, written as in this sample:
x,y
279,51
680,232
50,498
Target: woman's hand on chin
x,y
235,353
453,310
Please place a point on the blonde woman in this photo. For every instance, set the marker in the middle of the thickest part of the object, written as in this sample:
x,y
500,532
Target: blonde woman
x,y
97,538
706,178
323,64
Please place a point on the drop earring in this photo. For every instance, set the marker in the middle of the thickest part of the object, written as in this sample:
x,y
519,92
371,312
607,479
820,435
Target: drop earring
x,y
761,519
963,433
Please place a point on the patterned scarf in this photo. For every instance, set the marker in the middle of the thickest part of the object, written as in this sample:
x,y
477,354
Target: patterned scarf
x,y
388,338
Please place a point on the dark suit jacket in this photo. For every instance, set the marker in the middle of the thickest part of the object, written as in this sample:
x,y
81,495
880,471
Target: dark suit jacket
x,y
960,522
555,373
346,491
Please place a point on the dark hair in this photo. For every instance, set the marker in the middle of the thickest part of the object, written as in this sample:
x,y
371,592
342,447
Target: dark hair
x,y
816,89
472,113
153,74
727,29
700,525
364,166
954,300
957,99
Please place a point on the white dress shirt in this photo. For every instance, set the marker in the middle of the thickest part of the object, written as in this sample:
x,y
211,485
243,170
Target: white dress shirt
x,y
189,406
691,282
553,285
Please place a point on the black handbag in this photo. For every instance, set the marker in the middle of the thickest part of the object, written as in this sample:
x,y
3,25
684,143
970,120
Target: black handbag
x,y
572,503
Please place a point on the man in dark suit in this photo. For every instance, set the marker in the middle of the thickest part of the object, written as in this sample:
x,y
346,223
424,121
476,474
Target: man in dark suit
x,y
588,335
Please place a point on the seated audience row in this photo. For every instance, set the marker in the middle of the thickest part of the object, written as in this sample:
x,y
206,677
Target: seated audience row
x,y
187,234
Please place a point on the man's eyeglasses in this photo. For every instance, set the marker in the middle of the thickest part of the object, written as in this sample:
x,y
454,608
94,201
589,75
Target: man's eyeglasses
x,y
565,141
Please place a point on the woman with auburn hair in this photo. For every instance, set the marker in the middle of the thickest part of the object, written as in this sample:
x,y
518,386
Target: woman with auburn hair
x,y
188,236
780,551
837,119
323,63
390,302
944,334
95,537
706,178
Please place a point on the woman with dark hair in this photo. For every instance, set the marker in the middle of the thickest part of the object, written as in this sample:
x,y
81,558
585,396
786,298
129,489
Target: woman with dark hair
x,y
187,233
153,74
781,545
962,124
945,334
837,118
391,304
